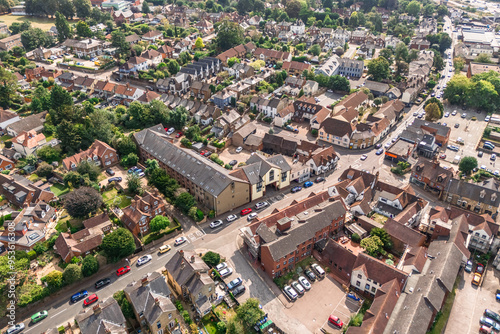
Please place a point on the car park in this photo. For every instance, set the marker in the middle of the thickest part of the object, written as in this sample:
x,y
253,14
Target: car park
x,y
489,323
122,271
468,266
335,321
180,241
453,148
39,316
110,171
163,249
144,259
79,295
363,157
251,216
305,283
297,287
485,330
308,184
239,149
90,299
102,282
310,275
234,283
216,223
246,211
319,179
115,179
225,272
18,328
318,270
444,124
261,205
231,218
221,266
295,189
290,292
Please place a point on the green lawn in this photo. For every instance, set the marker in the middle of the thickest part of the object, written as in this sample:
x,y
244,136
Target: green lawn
x,y
210,325
59,189
36,22
112,197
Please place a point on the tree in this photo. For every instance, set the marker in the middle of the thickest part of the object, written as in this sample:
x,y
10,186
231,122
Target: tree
x,y
118,40
34,38
71,274
83,8
199,43
134,185
179,117
72,179
90,266
59,100
482,95
384,237
159,223
125,145
379,68
483,58
118,244
88,168
467,164
145,8
249,312
67,8
229,34
428,10
125,306
19,27
386,53
31,160
129,160
372,245
231,61
457,89
413,8
234,326
315,50
185,201
221,327
44,170
54,280
353,20
7,87
442,11
173,66
83,29
63,28
293,8
151,165
438,62
211,258
401,52
432,112
81,202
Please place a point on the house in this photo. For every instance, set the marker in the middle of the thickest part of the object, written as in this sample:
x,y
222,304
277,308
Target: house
x,y
132,39
241,71
358,36
166,51
28,142
150,298
392,41
86,47
178,84
99,152
420,44
105,316
211,185
153,57
477,68
20,191
294,82
430,175
329,67
84,242
377,88
295,68
122,16
310,88
321,160
32,122
152,36
7,118
269,108
28,226
187,275
393,94
239,51
148,97
135,64
8,43
224,98
336,131
182,46
6,163
271,56
483,197
201,90
298,27
350,68
141,211
128,93
419,128
240,136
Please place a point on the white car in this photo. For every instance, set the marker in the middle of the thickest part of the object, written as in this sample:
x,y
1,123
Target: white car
x,y
15,329
305,283
216,223
231,218
170,131
180,241
363,157
144,259
290,292
387,144
251,216
225,272
239,149
261,205
297,287
221,266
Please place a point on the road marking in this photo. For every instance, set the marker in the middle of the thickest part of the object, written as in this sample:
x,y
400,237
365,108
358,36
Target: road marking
x,y
147,264
33,327
57,314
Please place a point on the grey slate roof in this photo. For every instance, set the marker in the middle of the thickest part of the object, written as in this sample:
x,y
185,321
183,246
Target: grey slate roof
x,y
442,130
32,122
156,305
208,175
258,166
140,293
487,192
110,317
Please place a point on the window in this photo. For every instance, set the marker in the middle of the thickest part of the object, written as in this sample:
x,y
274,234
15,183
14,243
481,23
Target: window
x,y
209,289
359,276
271,175
367,287
373,289
358,283
277,266
283,177
158,324
284,262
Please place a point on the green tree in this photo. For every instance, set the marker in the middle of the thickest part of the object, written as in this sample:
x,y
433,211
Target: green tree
x,y
231,61
413,8
234,326
229,34
401,52
436,101
63,28
129,160
293,8
88,168
145,8
34,38
81,202
31,160
185,201
353,20
54,280
151,165
134,184
428,10
383,236
71,274
90,266
118,41
179,117
199,43
159,223
432,112
83,29
457,89
44,170
124,145
211,258
118,244
125,306
483,58
379,68
83,8
372,245
173,66
467,164
249,312
315,50
482,95
72,179
59,100
7,88
442,11
67,8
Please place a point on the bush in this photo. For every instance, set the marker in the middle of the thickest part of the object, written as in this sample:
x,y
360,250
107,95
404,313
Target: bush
x,y
32,255
187,318
228,166
90,266
71,274
211,258
186,142
355,238
314,132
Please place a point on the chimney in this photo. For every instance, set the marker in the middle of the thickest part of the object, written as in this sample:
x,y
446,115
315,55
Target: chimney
x,y
157,302
144,280
182,253
97,309
192,258
183,264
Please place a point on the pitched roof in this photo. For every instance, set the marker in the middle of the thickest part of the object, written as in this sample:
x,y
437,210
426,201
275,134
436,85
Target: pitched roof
x,y
142,292
405,234
96,151
104,317
6,115
379,271
337,127
28,123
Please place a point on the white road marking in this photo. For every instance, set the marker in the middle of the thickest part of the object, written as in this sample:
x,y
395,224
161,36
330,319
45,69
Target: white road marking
x,y
57,314
32,328
147,264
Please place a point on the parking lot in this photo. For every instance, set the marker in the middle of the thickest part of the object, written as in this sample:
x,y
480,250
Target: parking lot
x,y
471,301
327,99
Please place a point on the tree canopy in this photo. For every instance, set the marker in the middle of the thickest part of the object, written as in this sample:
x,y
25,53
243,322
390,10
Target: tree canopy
x,y
467,164
118,244
229,34
379,68
81,202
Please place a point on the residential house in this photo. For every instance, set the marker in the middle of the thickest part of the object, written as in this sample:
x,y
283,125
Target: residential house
x,y
135,64
298,27
99,153
132,39
6,163
295,68
105,316
329,67
28,226
241,71
148,97
377,88
269,108
178,84
187,275
153,57
152,36
321,160
141,211
28,142
483,197
391,41
128,93
310,88
358,36
239,51
211,185
240,136
272,56
350,68
336,131
430,175
166,51
22,192
201,90
82,243
86,47
8,43
418,43
224,98
182,46
7,118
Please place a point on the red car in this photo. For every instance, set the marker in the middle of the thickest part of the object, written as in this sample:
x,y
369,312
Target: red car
x,y
246,211
479,268
335,321
122,270
203,153
90,299
178,134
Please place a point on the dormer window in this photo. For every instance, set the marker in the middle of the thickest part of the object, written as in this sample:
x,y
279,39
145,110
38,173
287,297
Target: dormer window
x,y
482,193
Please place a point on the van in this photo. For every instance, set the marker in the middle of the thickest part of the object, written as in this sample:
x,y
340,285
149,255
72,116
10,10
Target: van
x,y
319,271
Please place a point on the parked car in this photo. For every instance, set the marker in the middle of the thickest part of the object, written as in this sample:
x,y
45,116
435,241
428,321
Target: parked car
x,y
170,131
297,287
239,149
231,218
246,211
464,115
379,151
179,134
110,171
39,316
476,279
310,275
79,295
234,283
485,330
305,283
492,315
454,113
493,157
164,249
225,272
479,268
251,216
489,323
380,145
122,271
442,156
295,189
487,119
102,282
180,241
386,146
18,328
319,179
335,321
290,292
221,266
468,266
115,179
319,271
308,184
216,223
238,290
90,299
457,125
144,259
446,114
480,154
261,205
233,162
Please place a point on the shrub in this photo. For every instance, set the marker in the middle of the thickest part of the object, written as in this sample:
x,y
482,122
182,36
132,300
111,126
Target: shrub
x,y
71,274
211,258
314,132
32,255
186,142
356,238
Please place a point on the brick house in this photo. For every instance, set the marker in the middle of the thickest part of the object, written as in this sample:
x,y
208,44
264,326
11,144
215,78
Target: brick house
x,y
28,142
139,213
201,90
8,43
99,152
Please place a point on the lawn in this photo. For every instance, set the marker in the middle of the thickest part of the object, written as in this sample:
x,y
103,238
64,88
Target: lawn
x,y
59,189
33,177
379,218
442,316
112,197
210,325
36,22
224,312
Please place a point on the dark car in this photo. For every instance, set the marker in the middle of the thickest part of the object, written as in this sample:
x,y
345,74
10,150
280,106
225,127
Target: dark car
x,y
378,146
79,295
319,179
234,283
233,162
238,290
102,282
310,275
295,189
110,171
113,179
